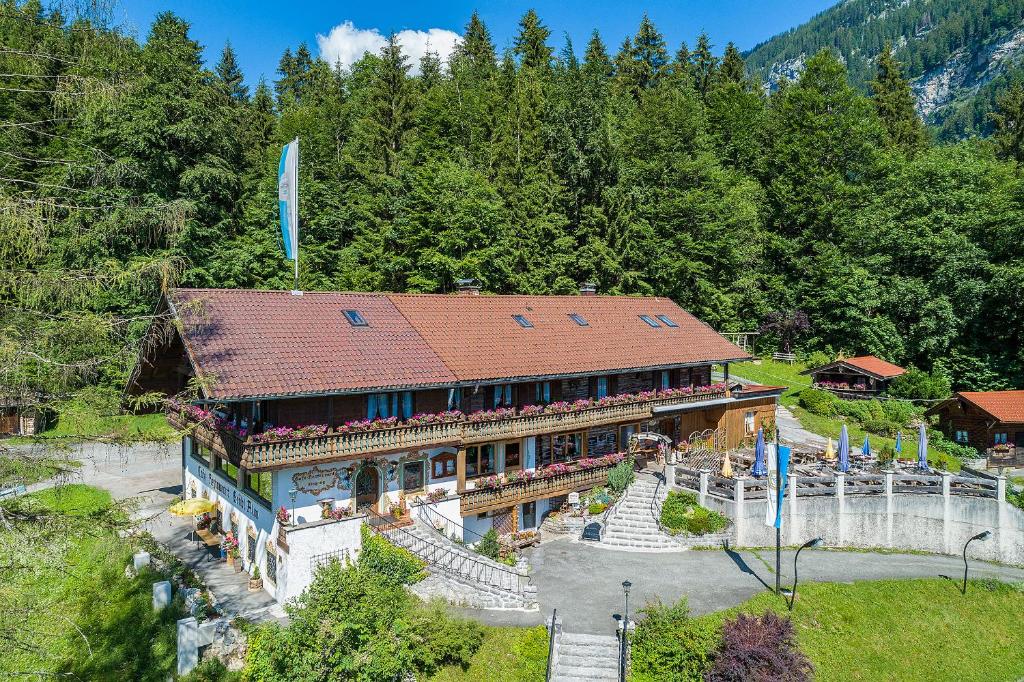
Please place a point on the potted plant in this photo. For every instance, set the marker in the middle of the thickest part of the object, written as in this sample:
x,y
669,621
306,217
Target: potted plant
x,y
256,581
397,511
283,517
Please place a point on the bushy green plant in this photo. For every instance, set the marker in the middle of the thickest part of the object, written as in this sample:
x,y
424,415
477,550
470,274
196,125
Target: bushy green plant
x,y
670,646
818,358
393,564
675,508
489,545
882,427
900,411
918,384
596,508
964,453
818,402
621,476
702,521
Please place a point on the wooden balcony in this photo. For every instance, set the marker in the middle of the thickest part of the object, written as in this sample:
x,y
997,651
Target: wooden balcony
x,y
479,500
344,446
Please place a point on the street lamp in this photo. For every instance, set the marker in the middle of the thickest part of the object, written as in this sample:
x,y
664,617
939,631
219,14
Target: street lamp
x,y
292,493
984,535
816,542
625,617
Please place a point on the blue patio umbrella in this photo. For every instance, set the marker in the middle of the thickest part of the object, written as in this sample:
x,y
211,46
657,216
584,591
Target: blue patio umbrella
x,y
899,443
922,447
866,448
759,465
844,450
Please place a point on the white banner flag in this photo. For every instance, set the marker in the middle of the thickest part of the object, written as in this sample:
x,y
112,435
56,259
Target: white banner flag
x,y
288,198
771,456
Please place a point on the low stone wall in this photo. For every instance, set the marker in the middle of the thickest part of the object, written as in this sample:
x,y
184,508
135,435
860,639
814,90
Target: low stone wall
x,y
940,521
311,545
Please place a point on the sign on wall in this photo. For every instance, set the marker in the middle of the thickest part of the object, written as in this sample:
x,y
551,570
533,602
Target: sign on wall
x,y
316,480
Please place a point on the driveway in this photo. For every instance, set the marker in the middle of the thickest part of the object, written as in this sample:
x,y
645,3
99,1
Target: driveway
x,y
584,582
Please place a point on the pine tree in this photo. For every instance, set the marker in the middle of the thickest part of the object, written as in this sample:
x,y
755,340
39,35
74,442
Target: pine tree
x,y
230,80
705,65
1009,124
733,69
476,49
894,103
530,44
430,70
595,61
649,51
389,110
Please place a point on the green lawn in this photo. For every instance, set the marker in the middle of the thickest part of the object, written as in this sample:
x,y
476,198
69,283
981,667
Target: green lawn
x,y
785,374
906,629
83,426
72,611
506,655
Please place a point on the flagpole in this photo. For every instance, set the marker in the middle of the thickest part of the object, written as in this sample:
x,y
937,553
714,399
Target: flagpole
x,y
296,213
778,529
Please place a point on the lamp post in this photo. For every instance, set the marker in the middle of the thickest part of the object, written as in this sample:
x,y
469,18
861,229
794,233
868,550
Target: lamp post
x,y
625,617
984,535
816,542
292,493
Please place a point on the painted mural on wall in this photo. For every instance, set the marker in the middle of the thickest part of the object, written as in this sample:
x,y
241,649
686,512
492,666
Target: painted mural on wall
x,y
316,480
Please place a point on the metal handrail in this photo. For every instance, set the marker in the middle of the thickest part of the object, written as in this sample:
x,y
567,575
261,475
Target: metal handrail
x,y
426,506
551,645
514,578
656,506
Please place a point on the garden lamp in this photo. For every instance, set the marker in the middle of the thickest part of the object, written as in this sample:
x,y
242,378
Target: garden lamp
x,y
292,493
625,617
984,535
816,542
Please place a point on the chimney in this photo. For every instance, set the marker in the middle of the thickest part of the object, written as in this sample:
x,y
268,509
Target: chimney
x,y
468,287
588,289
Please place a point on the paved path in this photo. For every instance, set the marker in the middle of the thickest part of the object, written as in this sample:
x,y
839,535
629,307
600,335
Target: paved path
x,y
792,431
585,583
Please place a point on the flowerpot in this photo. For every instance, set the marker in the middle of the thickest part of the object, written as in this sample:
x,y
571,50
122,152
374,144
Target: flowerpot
x,y
238,566
255,585
231,560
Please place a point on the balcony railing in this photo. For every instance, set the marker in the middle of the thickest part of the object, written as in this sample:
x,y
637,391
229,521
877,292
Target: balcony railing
x,y
480,500
352,445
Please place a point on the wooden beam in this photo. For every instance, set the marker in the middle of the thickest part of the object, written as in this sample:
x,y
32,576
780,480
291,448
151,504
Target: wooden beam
x,y
460,469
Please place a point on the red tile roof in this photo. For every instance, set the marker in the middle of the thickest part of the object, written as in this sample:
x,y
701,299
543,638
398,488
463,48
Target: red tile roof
x,y
259,343
1006,406
873,365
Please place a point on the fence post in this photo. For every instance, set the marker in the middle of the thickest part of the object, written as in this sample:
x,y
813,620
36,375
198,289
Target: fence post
x,y
188,645
888,508
1001,488
947,480
794,529
741,520
840,484
704,474
841,506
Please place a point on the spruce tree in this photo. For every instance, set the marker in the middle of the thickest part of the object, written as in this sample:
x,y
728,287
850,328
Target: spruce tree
x,y
733,69
530,44
705,65
389,111
1009,124
476,49
596,62
894,103
229,76
650,54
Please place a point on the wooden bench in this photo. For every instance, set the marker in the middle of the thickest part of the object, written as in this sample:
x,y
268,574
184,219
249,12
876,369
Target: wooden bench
x,y
784,357
208,538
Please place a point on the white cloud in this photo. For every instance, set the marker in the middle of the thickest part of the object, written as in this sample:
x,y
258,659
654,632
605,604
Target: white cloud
x,y
346,44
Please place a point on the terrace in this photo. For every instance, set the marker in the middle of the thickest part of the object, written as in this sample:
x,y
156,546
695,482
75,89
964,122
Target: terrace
x,y
281,448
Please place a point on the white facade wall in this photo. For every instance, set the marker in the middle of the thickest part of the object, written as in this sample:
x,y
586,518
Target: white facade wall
x,y
312,545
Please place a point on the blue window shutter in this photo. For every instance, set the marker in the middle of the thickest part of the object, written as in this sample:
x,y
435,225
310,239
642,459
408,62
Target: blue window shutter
x,y
406,404
371,406
547,391
508,394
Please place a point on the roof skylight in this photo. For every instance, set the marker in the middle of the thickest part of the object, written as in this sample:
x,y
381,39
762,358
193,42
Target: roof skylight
x,y
355,319
579,319
667,320
522,321
649,320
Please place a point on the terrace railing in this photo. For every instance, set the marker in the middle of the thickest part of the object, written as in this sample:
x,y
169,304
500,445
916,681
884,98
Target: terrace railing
x,y
478,500
352,445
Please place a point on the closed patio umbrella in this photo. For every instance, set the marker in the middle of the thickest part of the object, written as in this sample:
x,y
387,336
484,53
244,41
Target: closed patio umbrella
x,y
759,465
899,443
922,447
830,451
844,450
866,448
726,466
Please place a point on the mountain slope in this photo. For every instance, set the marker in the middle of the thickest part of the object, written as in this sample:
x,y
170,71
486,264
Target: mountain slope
x,y
958,53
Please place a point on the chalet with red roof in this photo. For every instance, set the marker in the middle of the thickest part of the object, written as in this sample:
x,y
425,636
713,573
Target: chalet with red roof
x,y
991,421
864,376
305,414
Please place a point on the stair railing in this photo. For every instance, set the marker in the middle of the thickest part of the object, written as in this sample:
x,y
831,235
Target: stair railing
x,y
656,503
443,557
436,519
551,645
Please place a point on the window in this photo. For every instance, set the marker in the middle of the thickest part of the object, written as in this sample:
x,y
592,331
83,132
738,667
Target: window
x,y
1001,439
962,436
665,379
624,433
413,476
522,322
250,548
200,451
355,319
271,572
479,460
513,456
442,466
602,387
748,423
542,392
649,320
261,485
667,320
454,398
566,447
579,319
227,469
384,405
503,395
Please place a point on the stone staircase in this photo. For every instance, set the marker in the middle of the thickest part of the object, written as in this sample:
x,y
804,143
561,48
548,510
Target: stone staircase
x,y
632,526
458,574
585,658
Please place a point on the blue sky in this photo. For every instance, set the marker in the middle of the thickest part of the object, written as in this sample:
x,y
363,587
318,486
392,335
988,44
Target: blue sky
x,y
260,30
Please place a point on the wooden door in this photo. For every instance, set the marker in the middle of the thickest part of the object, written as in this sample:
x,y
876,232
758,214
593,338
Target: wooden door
x,y
367,488
504,522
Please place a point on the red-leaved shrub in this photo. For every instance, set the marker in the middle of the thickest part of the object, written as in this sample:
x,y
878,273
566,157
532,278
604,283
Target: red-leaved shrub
x,y
759,649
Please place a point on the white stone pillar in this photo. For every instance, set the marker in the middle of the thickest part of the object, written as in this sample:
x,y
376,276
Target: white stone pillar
x,y
741,519
702,495
188,645
795,524
841,506
947,513
1001,488
888,509
140,560
161,595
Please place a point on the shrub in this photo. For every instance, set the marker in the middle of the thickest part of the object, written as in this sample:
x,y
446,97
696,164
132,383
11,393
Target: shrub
x,y
818,358
899,411
395,566
918,384
702,521
668,645
883,427
489,545
596,508
818,402
675,509
759,648
621,476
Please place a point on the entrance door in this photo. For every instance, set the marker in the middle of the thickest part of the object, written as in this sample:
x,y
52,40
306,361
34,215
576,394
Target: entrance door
x,y
529,514
367,488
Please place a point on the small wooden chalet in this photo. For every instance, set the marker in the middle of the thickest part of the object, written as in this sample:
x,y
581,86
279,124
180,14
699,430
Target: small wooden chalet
x,y
991,421
864,376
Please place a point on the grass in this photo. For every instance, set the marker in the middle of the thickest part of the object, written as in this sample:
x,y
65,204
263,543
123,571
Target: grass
x,y
905,629
83,426
506,655
785,374
73,611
